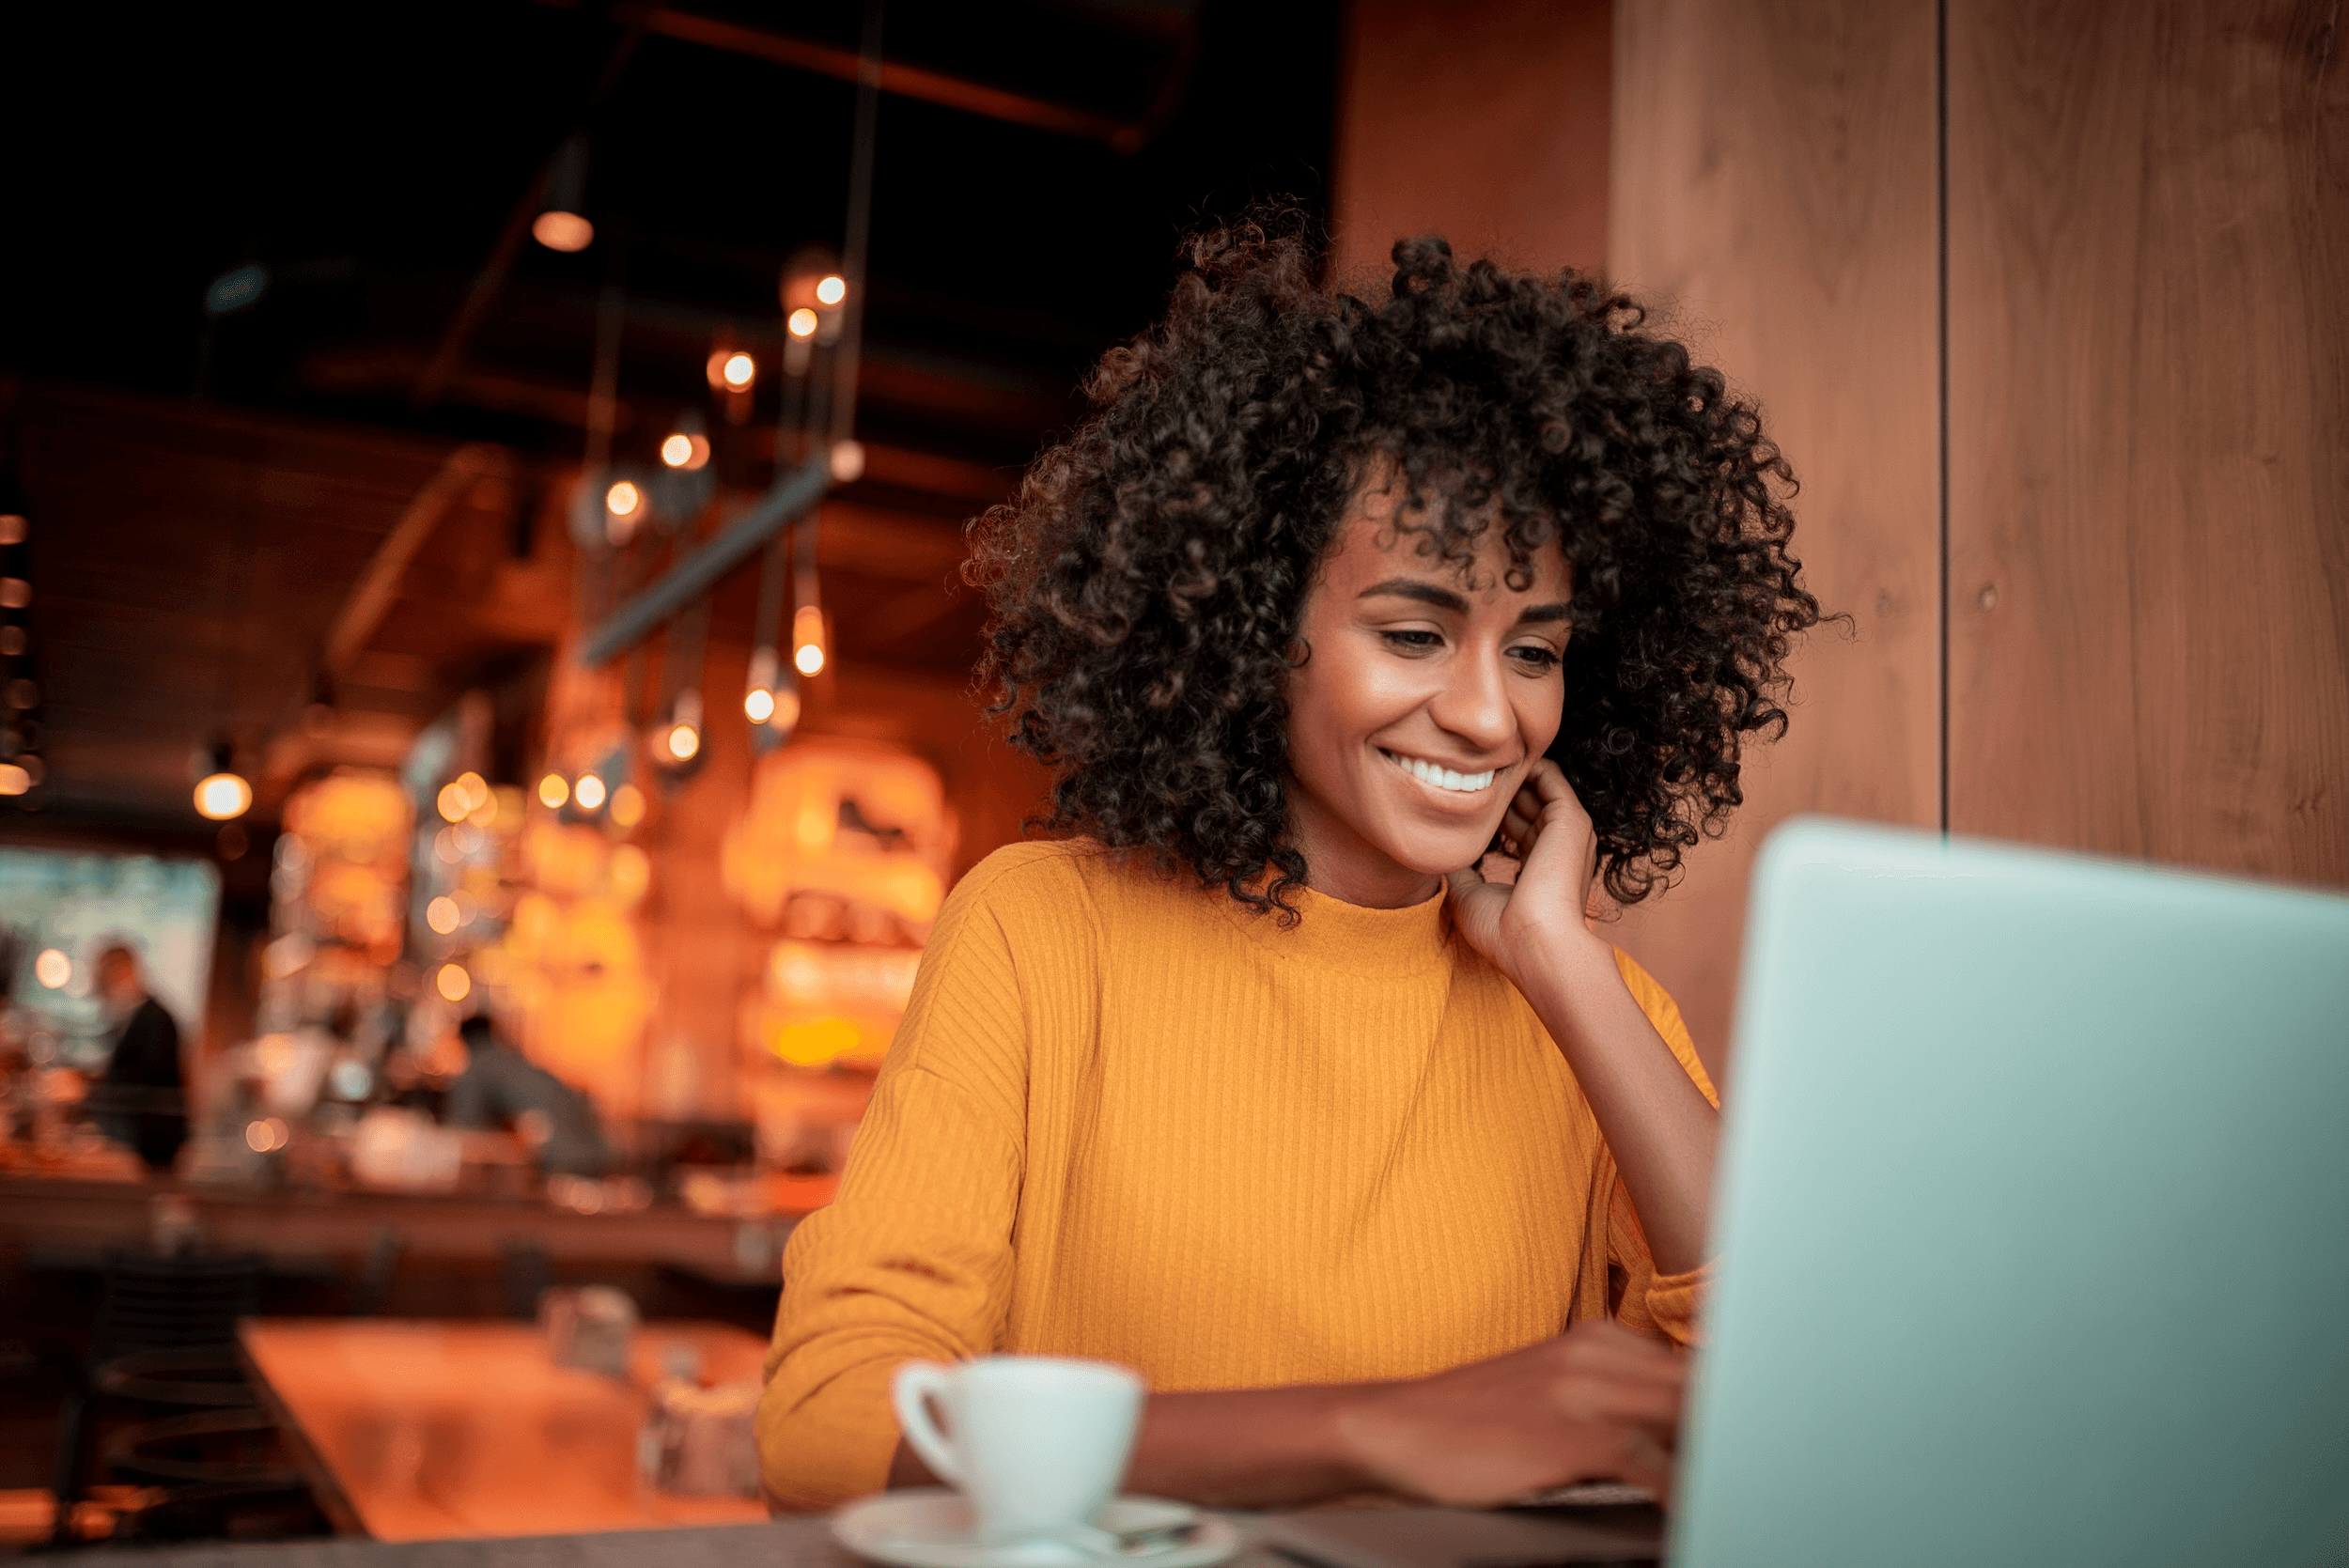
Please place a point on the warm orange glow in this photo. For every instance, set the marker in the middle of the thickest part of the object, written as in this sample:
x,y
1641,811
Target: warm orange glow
x,y
53,968
13,779
563,231
623,499
628,806
267,1136
807,639
223,796
553,790
684,740
759,703
802,322
453,981
816,1043
685,450
588,792
474,788
832,290
451,802
848,461
740,369
787,710
442,915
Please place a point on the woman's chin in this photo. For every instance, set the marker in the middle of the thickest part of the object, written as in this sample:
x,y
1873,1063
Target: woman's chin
x,y
1441,855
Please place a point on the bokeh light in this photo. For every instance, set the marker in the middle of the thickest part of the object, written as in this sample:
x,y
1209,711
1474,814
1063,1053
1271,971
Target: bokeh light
x,y
623,499
453,981
740,372
759,703
562,231
802,322
267,1136
442,915
628,806
683,741
222,796
588,792
832,288
553,790
53,970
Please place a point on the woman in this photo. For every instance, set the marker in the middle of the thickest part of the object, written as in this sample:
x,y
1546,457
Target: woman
x,y
1269,1079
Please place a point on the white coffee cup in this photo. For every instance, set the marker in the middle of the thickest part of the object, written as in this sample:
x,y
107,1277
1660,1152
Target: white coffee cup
x,y
1037,1443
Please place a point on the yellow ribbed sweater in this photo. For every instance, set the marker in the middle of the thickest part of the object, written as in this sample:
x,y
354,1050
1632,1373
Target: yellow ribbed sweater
x,y
1125,1118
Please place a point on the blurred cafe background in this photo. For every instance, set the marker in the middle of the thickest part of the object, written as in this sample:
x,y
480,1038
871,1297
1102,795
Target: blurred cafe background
x,y
488,711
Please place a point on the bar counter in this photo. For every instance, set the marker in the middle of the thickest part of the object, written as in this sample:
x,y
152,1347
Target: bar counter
x,y
47,1219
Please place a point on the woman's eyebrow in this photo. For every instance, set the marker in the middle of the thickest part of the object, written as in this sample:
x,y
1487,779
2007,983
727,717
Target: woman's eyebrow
x,y
1419,589
1545,612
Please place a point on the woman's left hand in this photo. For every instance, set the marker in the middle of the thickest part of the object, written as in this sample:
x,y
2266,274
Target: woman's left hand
x,y
1556,852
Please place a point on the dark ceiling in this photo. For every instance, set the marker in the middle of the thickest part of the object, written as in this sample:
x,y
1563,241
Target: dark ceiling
x,y
370,157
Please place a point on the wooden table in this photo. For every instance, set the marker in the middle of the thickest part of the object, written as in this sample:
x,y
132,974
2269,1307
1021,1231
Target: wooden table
x,y
1392,1538
421,1431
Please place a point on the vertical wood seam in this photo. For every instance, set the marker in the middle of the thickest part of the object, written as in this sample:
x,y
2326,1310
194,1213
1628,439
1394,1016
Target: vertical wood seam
x,y
1941,390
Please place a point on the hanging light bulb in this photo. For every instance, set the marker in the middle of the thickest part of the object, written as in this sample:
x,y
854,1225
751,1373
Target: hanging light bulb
x,y
740,372
807,640
802,322
561,224
679,741
685,449
758,692
832,288
221,793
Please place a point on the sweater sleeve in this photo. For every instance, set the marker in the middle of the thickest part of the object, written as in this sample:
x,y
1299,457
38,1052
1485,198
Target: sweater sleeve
x,y
913,1258
1664,1306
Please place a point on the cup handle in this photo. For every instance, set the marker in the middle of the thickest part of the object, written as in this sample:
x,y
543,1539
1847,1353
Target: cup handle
x,y
916,1382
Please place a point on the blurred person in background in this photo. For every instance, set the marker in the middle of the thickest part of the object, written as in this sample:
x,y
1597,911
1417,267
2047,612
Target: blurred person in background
x,y
500,1087
141,1101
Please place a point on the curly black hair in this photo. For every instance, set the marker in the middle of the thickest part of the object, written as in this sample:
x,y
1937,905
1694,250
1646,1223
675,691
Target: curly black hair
x,y
1146,583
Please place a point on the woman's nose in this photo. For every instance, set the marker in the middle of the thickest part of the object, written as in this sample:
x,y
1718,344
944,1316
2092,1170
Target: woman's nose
x,y
1473,704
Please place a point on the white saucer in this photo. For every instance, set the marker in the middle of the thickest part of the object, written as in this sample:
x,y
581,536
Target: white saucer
x,y
930,1527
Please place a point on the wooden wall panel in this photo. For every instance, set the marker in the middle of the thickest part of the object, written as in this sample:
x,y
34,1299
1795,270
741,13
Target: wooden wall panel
x,y
1482,120
2149,384
1773,185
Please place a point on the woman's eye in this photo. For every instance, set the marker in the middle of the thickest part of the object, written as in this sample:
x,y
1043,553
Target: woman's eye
x,y
1539,659
1417,642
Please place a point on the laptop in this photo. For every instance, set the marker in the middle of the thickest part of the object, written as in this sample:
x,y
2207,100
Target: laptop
x,y
2031,1221
2030,1234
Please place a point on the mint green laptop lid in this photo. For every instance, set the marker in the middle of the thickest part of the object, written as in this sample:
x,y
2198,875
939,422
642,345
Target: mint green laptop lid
x,y
2031,1223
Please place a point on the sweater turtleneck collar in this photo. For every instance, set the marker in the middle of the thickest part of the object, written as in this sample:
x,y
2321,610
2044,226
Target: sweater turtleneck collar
x,y
1332,933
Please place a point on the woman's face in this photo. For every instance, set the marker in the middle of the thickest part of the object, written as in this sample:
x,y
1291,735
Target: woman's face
x,y
1428,695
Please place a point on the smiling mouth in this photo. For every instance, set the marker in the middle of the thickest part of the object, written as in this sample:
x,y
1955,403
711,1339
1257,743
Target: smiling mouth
x,y
1440,778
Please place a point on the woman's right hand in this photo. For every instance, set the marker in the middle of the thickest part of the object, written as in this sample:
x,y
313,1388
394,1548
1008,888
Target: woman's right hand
x,y
1597,1403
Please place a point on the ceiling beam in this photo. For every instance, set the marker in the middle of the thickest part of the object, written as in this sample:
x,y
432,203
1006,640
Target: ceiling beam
x,y
931,86
363,608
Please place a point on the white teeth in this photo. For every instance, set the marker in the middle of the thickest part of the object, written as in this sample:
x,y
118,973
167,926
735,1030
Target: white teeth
x,y
1442,777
